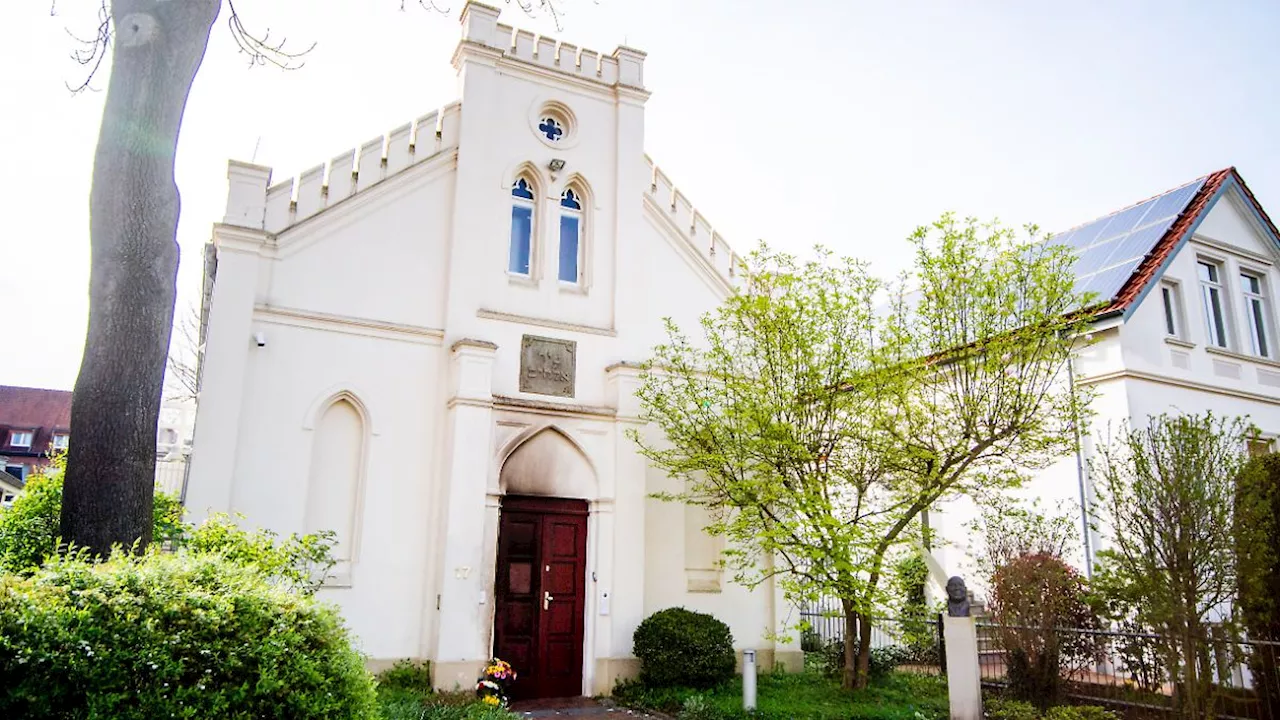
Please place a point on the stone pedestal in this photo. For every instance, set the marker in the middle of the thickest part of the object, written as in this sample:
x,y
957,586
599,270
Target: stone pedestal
x,y
964,682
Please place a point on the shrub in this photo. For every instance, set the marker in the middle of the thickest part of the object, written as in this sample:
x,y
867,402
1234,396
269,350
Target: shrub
x,y
407,675
679,647
182,635
1080,712
29,530
300,562
998,708
1257,547
1036,594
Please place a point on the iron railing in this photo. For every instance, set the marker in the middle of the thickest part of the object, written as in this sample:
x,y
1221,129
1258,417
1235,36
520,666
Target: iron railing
x,y
1129,671
912,644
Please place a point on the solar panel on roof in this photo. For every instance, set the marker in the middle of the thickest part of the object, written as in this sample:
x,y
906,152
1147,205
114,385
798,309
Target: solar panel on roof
x,y
1110,248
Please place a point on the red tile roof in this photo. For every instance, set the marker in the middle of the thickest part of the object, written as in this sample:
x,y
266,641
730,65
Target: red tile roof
x,y
1149,269
44,411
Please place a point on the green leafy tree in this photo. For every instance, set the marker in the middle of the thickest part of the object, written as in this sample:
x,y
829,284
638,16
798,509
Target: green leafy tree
x,y
982,342
818,432
756,420
1167,505
155,49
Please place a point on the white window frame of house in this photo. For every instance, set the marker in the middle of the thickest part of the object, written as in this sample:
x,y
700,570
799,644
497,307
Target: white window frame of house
x,y
576,215
1267,441
1217,326
1171,306
30,437
530,205
61,441
21,474
1257,313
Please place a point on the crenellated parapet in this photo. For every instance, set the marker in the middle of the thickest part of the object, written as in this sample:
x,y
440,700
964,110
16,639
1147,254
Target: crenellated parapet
x,y
253,202
481,29
693,225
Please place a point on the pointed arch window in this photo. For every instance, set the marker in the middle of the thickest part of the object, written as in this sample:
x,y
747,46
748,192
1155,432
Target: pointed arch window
x,y
522,204
570,236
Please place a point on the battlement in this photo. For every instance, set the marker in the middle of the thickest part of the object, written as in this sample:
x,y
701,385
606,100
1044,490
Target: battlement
x,y
692,224
480,27
253,202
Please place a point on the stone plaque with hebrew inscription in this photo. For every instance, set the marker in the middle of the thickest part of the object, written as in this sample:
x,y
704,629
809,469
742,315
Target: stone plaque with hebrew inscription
x,y
548,366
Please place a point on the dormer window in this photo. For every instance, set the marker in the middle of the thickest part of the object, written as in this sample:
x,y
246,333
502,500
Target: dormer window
x,y
61,441
570,236
521,250
20,438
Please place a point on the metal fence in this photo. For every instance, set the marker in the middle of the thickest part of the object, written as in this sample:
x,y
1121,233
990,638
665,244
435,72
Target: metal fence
x,y
912,644
169,474
1129,672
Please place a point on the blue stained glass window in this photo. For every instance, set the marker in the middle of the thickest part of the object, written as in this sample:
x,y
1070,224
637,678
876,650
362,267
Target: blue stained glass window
x,y
521,227
569,229
570,200
550,127
521,237
570,235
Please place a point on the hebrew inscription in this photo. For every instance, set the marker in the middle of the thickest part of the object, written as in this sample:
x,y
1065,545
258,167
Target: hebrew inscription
x,y
548,366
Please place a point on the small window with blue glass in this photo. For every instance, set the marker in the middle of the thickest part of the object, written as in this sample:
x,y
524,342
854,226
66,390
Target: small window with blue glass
x,y
551,128
522,203
570,235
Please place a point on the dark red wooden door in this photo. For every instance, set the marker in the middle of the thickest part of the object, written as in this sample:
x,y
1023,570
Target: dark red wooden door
x,y
540,594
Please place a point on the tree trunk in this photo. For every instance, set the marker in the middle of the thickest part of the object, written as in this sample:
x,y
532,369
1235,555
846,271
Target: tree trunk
x,y
848,676
158,47
863,677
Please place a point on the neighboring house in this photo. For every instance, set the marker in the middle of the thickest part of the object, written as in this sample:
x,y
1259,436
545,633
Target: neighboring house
x,y
10,487
34,423
1189,279
430,347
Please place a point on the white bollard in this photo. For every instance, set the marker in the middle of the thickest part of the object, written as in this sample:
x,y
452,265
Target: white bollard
x,y
749,680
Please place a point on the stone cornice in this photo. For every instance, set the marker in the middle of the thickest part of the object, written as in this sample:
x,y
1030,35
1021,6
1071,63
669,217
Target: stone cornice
x,y
314,320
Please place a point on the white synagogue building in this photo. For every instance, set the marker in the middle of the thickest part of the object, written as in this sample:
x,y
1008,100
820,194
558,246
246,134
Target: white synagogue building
x,y
430,346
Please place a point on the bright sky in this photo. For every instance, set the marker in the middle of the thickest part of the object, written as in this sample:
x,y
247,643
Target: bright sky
x,y
835,121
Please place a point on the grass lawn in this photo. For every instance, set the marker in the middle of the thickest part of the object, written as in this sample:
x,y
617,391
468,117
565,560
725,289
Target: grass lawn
x,y
802,696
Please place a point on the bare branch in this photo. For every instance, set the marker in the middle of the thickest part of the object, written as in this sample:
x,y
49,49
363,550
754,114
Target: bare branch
x,y
182,378
92,50
262,49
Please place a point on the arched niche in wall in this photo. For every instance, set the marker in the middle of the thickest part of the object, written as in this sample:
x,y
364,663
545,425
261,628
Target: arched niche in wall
x,y
335,477
702,551
547,461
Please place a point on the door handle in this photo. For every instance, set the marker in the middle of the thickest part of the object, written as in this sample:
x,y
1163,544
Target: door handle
x,y
546,600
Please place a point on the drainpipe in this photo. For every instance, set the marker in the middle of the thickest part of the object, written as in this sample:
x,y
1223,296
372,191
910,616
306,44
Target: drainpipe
x,y
1080,476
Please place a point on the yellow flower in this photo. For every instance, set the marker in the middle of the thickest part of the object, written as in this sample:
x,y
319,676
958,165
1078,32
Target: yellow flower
x,y
490,700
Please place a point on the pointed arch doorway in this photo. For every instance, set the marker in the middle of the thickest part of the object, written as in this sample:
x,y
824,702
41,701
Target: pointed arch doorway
x,y
540,594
